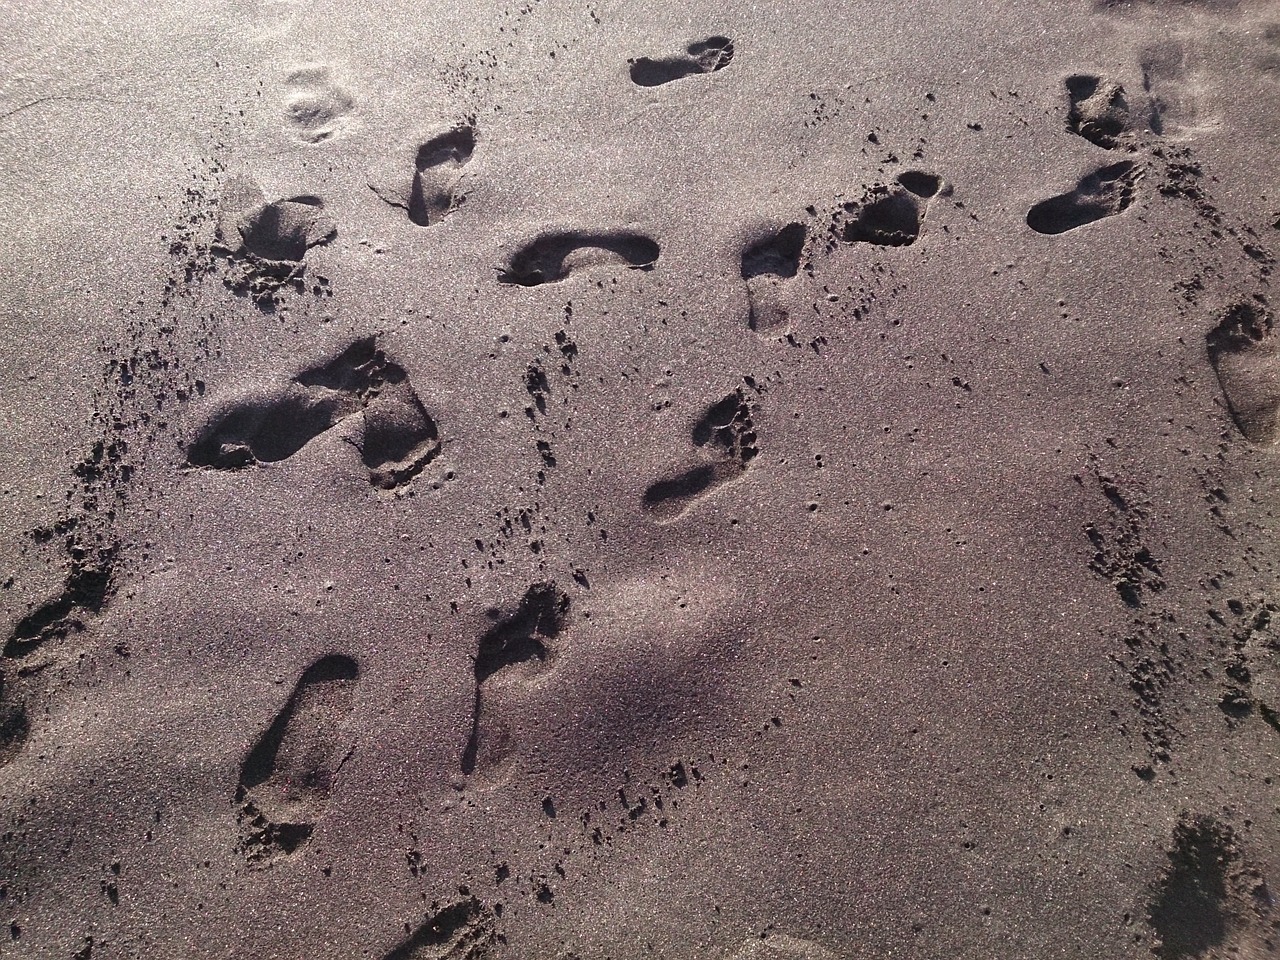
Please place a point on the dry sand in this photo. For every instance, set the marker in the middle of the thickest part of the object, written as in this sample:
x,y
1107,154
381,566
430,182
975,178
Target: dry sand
x,y
602,480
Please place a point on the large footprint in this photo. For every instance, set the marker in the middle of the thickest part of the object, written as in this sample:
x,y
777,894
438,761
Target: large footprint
x,y
725,437
399,438
1244,349
286,778
520,644
1104,193
554,256
701,56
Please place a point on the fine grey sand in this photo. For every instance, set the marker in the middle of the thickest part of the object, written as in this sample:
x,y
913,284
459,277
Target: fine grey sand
x,y
709,481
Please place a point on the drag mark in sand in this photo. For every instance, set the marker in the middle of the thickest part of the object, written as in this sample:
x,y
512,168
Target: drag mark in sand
x,y
287,777
460,931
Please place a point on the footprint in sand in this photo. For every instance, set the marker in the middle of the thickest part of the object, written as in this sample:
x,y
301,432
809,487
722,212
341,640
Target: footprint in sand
x,y
767,264
1104,193
1175,85
702,56
891,215
554,256
315,106
397,437
426,188
13,722
726,439
1244,349
460,931
1099,111
286,779
517,648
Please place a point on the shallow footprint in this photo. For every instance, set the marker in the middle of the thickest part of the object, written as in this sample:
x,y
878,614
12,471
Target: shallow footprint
x,y
725,435
702,56
315,106
523,639
1244,349
766,265
286,779
555,256
1103,193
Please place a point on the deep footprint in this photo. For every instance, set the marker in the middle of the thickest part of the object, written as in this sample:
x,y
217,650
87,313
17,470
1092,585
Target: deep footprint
x,y
88,587
554,257
703,56
1099,110
1245,352
460,931
287,777
1191,908
431,193
1103,193
726,433
891,216
523,636
765,265
398,440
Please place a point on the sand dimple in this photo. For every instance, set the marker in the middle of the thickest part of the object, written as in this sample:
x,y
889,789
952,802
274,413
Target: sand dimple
x,y
555,256
520,640
701,56
286,779
725,436
1245,352
460,931
1104,193
397,440
315,106
427,188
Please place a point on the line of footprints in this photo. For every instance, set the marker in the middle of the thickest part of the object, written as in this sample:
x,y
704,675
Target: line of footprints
x,y
287,776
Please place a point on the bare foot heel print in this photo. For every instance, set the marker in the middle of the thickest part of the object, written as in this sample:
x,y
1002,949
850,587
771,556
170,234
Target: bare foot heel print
x,y
287,777
1103,193
702,56
725,434
891,216
398,439
766,265
1099,111
460,931
1244,349
430,193
521,643
555,256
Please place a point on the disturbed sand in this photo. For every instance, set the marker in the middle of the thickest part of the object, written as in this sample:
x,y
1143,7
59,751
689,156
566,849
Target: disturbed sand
x,y
601,480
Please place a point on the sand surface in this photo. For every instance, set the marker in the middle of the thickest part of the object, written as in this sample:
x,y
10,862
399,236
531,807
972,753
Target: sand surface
x,y
723,481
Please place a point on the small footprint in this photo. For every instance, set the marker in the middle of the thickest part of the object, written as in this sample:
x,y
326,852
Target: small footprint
x,y
430,192
891,216
90,584
1104,193
315,106
522,641
286,779
1244,349
13,722
766,265
725,435
1099,111
397,440
702,56
555,256
460,931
